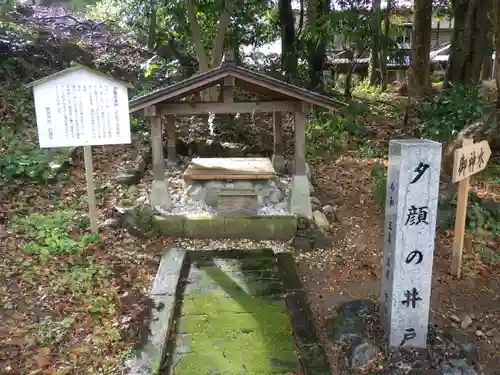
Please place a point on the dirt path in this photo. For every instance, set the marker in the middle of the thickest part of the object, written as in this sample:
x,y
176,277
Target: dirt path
x,y
351,268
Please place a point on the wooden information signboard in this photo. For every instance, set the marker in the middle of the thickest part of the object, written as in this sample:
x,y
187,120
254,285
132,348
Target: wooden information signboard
x,y
468,160
82,107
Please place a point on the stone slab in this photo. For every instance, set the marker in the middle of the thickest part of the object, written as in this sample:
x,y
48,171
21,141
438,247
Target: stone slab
x,y
218,227
237,202
229,169
169,272
203,226
170,225
164,294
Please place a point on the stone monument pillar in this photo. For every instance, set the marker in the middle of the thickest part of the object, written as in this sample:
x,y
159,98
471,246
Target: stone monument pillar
x,y
410,227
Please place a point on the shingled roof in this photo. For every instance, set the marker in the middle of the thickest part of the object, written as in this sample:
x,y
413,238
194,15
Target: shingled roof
x,y
244,78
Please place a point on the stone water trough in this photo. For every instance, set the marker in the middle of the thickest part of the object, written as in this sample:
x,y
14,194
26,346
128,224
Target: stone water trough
x,y
230,198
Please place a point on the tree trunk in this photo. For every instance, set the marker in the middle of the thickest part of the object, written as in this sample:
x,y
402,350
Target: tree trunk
x,y
152,26
384,50
374,69
419,73
316,9
469,41
288,47
205,63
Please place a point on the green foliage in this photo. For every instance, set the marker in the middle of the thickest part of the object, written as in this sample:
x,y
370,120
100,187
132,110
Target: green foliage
x,y
21,159
55,233
450,113
327,135
480,218
379,176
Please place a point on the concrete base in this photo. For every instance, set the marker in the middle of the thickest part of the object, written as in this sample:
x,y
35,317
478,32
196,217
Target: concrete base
x,y
278,162
160,196
300,199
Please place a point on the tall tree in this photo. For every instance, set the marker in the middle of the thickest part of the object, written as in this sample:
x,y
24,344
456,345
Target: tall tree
x,y
470,40
420,67
204,60
374,72
316,49
385,45
288,40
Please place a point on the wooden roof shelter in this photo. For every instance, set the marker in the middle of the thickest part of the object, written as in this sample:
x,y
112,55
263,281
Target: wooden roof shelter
x,y
275,96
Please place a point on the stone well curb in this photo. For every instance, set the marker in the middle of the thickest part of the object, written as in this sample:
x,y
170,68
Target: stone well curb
x,y
164,294
217,227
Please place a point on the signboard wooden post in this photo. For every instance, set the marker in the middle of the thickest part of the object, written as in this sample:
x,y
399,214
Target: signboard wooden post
x,y
82,107
468,160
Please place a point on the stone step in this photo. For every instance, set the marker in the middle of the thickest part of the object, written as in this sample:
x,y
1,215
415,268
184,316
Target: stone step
x,y
217,325
231,363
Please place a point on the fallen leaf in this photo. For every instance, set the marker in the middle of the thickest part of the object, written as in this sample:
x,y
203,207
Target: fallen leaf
x,y
43,357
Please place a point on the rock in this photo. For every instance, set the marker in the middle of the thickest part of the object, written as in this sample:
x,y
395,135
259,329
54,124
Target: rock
x,y
464,343
480,333
232,150
110,223
361,353
243,185
274,196
455,318
424,372
491,332
321,220
138,220
466,321
348,324
315,201
212,197
128,178
214,185
492,207
457,367
328,209
302,243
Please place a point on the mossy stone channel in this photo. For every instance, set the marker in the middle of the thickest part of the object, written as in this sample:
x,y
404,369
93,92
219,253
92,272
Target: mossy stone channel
x,y
233,320
241,312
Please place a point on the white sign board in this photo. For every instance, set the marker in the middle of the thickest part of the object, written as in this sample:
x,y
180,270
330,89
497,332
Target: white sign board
x,y
81,108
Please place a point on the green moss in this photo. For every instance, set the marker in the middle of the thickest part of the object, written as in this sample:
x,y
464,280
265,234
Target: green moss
x,y
227,330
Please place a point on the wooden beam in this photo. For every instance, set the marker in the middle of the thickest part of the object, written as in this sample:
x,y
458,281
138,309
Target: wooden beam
x,y
236,107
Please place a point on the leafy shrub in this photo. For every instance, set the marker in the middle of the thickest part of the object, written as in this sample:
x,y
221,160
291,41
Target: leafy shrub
x,y
328,135
52,233
450,113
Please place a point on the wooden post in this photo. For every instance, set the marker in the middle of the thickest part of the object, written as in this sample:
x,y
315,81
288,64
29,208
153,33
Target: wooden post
x,y
171,140
300,142
160,196
278,159
89,176
300,193
458,241
227,90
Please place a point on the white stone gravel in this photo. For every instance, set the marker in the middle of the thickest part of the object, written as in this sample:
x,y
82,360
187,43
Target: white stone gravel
x,y
228,244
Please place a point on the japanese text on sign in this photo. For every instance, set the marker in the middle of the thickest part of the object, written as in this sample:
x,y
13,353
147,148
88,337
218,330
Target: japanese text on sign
x,y
82,109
